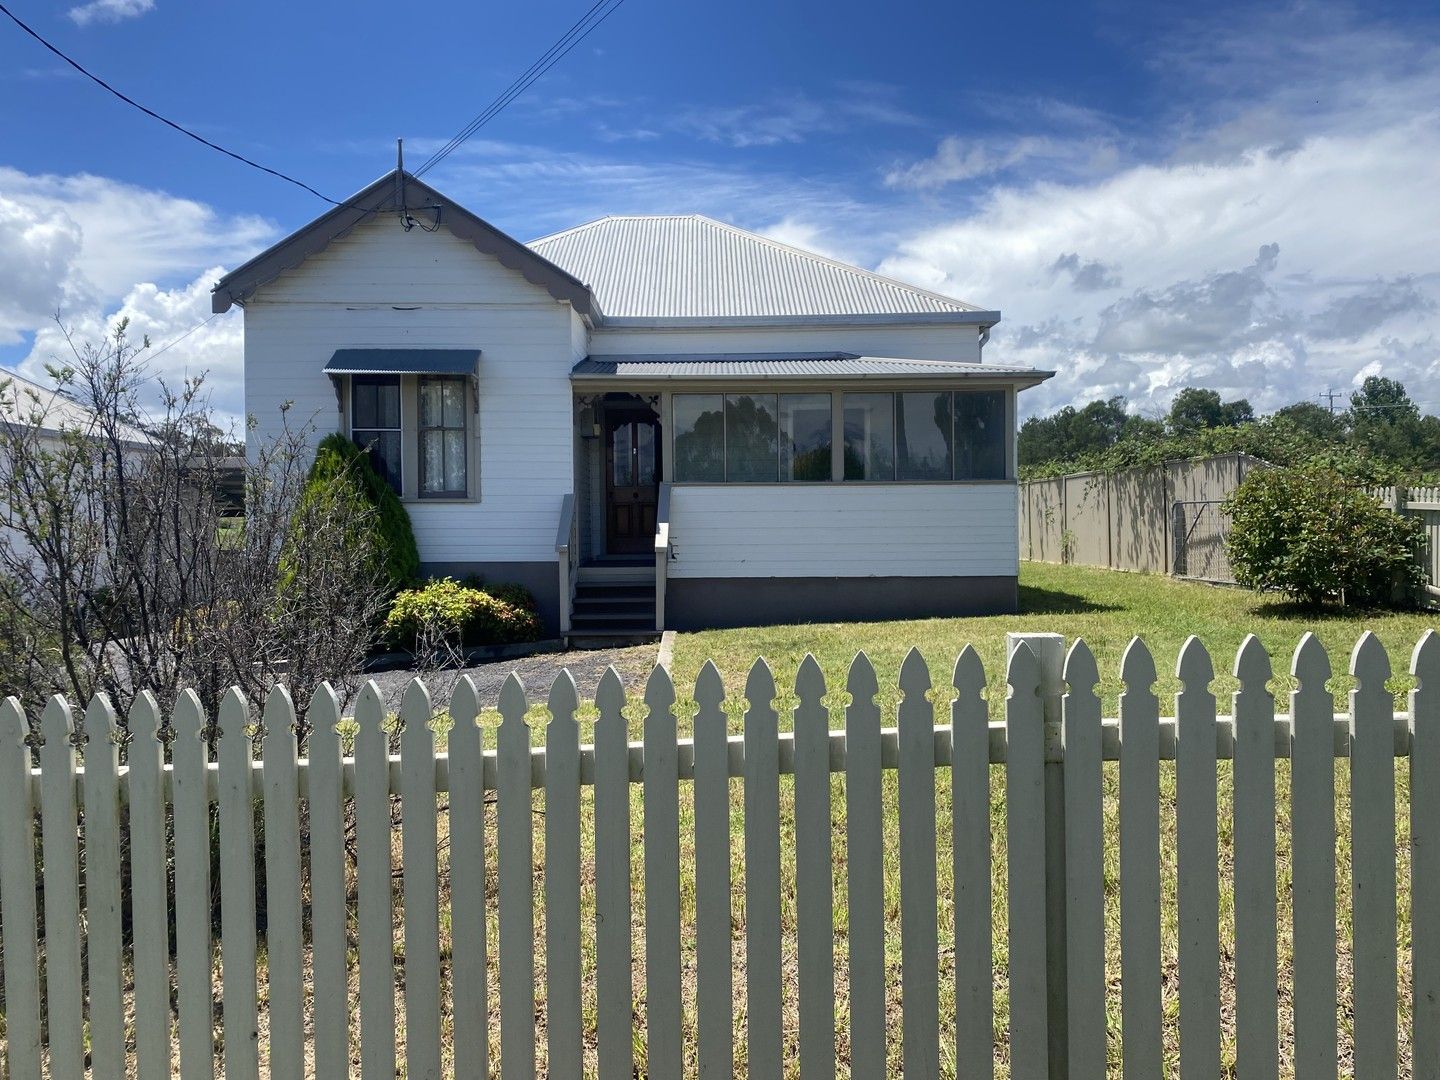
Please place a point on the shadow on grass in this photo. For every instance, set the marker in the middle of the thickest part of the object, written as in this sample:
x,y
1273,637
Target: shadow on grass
x,y
1037,601
1296,611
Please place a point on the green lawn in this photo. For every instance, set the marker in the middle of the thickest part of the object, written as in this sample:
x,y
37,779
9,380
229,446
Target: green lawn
x,y
1107,609
1104,607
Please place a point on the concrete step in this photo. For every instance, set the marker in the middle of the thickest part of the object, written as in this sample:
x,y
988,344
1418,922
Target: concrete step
x,y
611,639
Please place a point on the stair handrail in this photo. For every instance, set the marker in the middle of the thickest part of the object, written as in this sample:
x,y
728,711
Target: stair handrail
x,y
567,558
662,552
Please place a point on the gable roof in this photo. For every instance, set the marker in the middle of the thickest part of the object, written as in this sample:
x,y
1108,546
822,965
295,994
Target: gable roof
x,y
382,197
27,403
693,267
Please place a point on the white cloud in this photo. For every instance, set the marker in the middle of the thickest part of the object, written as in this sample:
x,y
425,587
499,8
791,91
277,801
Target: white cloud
x,y
95,250
213,349
960,158
1321,138
789,119
109,11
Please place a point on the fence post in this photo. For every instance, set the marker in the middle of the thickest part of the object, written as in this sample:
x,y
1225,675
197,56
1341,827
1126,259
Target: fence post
x,y
1049,650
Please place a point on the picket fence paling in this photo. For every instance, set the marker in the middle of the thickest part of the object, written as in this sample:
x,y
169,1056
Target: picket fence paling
x,y
266,769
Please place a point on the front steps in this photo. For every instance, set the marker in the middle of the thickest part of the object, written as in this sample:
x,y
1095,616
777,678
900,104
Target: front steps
x,y
614,605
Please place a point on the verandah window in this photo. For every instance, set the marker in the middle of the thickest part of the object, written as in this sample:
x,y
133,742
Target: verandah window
x,y
752,438
925,435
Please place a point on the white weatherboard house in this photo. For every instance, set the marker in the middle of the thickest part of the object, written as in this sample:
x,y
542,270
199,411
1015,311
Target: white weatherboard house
x,y
651,422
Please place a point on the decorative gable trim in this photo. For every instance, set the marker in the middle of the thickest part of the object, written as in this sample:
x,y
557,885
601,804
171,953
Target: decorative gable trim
x,y
384,196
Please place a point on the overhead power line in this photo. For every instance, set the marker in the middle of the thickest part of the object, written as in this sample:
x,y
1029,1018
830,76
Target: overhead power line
x,y
163,119
578,32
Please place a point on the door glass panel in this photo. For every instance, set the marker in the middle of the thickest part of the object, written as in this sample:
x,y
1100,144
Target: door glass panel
x,y
622,465
645,454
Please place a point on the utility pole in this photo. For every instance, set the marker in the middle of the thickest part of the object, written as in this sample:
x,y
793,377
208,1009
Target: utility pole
x,y
1330,396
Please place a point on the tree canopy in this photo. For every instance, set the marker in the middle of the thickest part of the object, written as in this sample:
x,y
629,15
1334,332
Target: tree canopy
x,y
1383,437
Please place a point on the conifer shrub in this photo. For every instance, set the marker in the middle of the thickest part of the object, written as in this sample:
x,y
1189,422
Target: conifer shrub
x,y
344,471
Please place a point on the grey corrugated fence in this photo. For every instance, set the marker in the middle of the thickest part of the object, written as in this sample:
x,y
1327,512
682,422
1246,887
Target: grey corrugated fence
x,y
1422,503
1033,996
1127,520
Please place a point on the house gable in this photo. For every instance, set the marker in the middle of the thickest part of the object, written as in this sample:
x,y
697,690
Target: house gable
x,y
397,198
378,262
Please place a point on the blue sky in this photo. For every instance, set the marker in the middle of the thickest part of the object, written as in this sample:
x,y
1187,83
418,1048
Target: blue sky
x,y
1242,198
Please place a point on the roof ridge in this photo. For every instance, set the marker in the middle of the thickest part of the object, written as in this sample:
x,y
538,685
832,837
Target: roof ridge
x,y
838,264
603,218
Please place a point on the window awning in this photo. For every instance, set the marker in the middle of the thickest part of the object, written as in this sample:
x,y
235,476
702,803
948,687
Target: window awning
x,y
403,362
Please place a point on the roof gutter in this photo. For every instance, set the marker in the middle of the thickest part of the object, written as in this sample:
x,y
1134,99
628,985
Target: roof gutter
x,y
1021,380
984,319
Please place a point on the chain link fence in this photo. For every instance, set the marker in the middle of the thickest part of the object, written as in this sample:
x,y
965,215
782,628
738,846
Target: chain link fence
x,y
1198,531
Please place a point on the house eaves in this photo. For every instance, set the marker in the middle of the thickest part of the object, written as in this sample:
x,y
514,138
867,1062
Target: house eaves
x,y
390,194
818,368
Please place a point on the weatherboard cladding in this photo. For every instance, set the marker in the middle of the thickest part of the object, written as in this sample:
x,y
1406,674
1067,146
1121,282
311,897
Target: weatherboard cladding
x,y
695,267
788,366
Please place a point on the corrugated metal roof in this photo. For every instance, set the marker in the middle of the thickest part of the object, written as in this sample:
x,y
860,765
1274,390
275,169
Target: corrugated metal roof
x,y
403,361
25,402
695,267
790,366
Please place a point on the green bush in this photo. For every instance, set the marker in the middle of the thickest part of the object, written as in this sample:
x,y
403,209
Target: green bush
x,y
1309,533
340,464
445,610
512,593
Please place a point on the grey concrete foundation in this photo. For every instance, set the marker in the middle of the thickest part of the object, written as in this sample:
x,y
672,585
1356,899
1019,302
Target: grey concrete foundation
x,y
714,603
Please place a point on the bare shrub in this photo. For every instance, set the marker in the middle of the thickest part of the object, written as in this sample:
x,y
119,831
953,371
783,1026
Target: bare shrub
x,y
125,569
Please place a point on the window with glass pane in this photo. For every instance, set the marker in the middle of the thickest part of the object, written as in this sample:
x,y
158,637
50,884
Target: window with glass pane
x,y
805,437
699,437
923,430
752,438
443,451
869,436
375,422
981,437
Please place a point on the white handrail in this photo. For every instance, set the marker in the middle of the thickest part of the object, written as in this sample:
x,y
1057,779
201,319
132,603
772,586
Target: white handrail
x,y
564,558
662,552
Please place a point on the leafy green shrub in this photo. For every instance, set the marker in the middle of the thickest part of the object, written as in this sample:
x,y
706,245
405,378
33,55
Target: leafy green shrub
x,y
342,469
445,610
511,592
1309,533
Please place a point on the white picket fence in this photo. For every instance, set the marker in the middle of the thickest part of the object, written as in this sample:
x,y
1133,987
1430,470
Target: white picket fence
x,y
113,994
